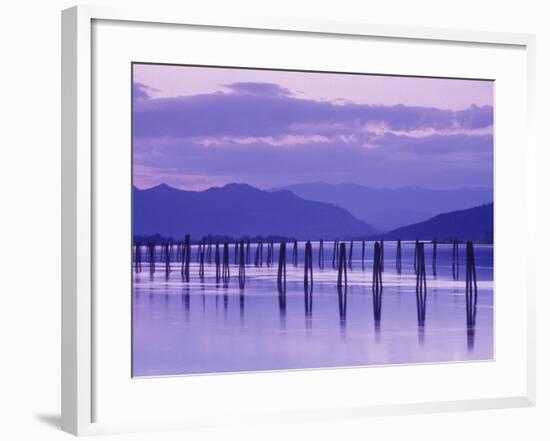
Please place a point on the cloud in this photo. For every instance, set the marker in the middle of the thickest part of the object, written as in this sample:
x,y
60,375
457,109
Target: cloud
x,y
265,109
141,91
261,134
267,89
395,160
475,117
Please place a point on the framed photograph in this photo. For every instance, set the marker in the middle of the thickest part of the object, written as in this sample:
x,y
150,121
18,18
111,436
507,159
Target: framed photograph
x,y
277,220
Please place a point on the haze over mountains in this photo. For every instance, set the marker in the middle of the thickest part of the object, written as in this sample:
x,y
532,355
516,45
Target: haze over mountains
x,y
387,209
471,224
238,210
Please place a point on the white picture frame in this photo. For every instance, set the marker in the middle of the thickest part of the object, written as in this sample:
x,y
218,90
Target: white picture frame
x,y
80,201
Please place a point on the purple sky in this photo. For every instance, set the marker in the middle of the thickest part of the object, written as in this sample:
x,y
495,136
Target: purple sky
x,y
197,127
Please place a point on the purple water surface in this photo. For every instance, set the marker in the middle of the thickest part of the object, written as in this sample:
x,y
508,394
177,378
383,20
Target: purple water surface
x,y
204,327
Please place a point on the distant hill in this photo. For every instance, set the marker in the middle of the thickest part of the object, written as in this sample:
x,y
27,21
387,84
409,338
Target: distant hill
x,y
387,209
238,210
474,223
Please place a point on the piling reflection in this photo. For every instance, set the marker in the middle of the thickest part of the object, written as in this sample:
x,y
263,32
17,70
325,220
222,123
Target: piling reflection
x,y
421,290
342,306
241,306
308,301
377,288
281,288
377,307
186,299
377,268
471,294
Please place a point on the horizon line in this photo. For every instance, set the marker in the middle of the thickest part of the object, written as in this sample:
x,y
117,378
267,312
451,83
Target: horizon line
x,y
284,187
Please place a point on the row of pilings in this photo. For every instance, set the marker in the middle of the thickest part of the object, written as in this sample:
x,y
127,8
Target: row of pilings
x,y
220,254
341,261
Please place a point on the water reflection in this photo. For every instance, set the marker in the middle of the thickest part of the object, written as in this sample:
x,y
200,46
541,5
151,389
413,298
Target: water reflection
x,y
247,336
342,307
377,308
308,303
281,287
186,299
241,306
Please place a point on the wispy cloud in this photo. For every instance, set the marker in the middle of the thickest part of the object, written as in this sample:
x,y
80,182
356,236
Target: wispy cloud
x,y
262,134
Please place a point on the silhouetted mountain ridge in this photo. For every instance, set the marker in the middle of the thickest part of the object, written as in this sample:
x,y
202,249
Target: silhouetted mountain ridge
x,y
471,224
239,210
386,209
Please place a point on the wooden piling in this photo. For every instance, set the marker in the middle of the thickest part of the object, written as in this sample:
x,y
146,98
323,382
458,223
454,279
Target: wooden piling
x,y
225,264
377,267
201,254
363,255
342,303
398,258
434,258
321,254
269,258
421,289
166,259
151,247
335,254
416,257
137,257
178,251
382,256
199,250
217,261
308,264
471,285
342,266
258,260
140,257
455,260
247,260
242,262
281,270
295,253
186,258
209,252
350,259
377,286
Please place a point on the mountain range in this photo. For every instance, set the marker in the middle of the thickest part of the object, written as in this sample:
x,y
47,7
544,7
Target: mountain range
x,y
473,224
238,210
388,209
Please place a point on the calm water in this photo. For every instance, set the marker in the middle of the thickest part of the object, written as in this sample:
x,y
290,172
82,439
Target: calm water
x,y
204,327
